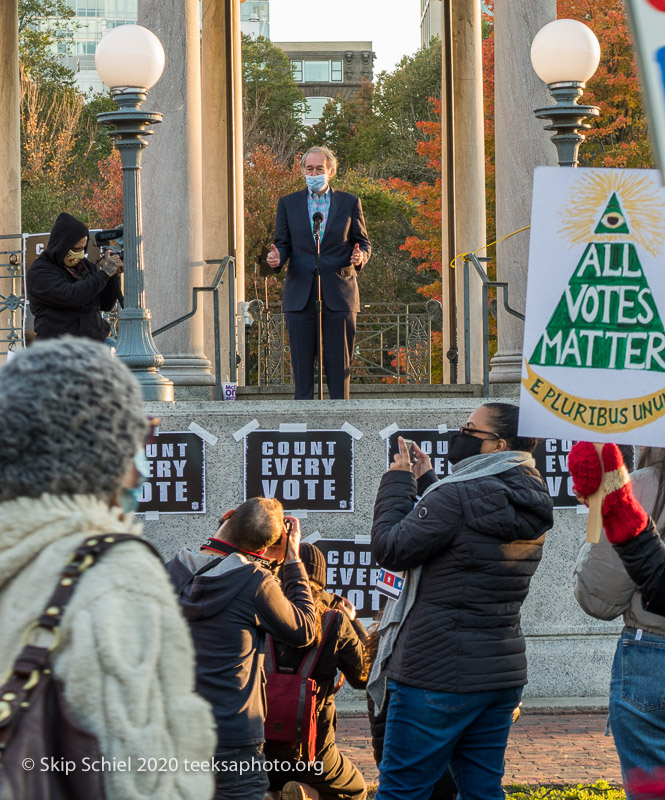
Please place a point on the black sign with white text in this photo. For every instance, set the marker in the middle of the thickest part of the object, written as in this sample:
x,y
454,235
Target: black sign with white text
x,y
176,477
352,573
430,441
309,470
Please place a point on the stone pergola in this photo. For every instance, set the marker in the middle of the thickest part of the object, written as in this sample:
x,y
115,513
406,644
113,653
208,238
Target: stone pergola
x,y
193,184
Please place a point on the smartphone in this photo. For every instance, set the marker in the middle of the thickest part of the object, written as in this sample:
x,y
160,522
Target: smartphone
x,y
411,446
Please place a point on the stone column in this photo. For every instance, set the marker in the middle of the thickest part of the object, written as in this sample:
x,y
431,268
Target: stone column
x,y
469,169
172,196
521,146
10,142
223,201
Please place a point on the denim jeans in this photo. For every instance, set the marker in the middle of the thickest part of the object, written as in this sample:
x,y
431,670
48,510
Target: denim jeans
x,y
637,702
427,730
240,773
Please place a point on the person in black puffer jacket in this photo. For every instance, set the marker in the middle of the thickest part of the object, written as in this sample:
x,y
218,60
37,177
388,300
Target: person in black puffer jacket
x,y
452,649
67,293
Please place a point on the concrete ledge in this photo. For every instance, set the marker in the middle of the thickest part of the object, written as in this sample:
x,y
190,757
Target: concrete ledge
x,y
368,391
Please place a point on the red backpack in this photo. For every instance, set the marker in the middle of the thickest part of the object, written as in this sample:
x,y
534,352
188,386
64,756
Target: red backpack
x,y
291,697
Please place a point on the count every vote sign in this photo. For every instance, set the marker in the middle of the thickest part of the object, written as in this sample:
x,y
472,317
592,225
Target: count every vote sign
x,y
306,471
594,341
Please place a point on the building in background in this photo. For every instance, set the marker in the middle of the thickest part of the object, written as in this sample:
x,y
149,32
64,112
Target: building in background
x,y
431,20
91,21
327,70
255,18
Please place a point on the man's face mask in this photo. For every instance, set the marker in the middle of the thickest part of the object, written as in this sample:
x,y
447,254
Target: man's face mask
x,y
316,183
73,257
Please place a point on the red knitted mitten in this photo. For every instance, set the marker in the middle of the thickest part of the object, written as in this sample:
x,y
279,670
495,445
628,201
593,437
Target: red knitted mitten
x,y
585,469
623,516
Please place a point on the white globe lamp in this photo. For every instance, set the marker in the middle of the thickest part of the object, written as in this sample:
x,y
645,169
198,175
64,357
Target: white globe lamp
x,y
130,56
565,50
565,54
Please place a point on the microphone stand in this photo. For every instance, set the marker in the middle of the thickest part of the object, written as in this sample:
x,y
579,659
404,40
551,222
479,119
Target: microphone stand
x,y
319,306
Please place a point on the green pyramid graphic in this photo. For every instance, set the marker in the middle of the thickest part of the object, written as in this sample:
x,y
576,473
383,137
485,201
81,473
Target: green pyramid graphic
x,y
607,317
613,220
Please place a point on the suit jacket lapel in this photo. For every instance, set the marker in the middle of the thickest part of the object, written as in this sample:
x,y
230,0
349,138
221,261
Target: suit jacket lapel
x,y
334,208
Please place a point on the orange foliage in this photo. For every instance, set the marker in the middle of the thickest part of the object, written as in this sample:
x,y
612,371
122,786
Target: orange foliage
x,y
618,137
425,246
105,203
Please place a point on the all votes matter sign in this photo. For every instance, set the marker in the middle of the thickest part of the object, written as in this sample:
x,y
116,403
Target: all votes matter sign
x,y
309,470
594,340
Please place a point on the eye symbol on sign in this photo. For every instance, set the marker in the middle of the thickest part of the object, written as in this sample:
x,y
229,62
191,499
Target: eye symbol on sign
x,y
659,5
614,219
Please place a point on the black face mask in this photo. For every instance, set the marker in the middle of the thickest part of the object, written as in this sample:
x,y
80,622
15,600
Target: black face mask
x,y
463,446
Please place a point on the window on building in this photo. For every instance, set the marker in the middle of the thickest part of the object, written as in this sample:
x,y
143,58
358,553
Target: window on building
x,y
296,68
336,71
317,71
313,109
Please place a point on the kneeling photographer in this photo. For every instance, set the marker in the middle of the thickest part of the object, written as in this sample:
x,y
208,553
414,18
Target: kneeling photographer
x,y
231,600
66,291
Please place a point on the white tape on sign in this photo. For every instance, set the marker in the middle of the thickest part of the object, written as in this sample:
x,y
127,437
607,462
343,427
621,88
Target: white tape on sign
x,y
582,509
152,516
312,538
208,437
298,513
443,428
292,427
386,432
362,538
348,428
242,432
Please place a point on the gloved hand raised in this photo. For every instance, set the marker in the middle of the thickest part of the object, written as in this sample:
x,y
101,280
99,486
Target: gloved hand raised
x,y
623,516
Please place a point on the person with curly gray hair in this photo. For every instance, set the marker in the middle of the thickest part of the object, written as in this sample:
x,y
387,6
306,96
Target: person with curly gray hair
x,y
73,423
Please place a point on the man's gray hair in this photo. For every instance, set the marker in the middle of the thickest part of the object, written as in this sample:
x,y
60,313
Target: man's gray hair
x,y
329,156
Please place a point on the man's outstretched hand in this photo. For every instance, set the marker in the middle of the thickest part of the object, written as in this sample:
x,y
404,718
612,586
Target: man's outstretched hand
x,y
357,256
273,257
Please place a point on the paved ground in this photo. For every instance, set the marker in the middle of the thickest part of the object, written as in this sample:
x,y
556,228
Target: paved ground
x,y
560,747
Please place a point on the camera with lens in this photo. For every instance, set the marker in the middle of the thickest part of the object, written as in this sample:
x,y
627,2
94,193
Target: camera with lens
x,y
104,239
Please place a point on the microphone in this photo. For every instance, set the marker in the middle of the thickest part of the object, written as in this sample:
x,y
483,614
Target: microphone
x,y
317,219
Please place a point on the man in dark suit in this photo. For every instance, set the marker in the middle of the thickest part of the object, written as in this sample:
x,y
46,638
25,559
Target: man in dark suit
x,y
345,249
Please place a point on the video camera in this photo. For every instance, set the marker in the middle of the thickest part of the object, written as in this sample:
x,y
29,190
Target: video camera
x,y
103,240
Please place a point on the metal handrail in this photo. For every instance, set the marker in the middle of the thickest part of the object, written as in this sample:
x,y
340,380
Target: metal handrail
x,y
226,263
471,258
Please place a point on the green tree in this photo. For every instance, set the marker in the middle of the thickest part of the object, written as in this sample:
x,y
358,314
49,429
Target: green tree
x,y
42,24
353,130
390,276
271,100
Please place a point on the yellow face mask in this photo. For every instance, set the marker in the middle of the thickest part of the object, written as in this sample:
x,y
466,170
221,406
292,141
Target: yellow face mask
x,y
73,257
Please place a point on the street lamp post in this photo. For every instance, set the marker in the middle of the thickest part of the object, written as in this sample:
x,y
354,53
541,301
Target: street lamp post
x,y
565,54
130,60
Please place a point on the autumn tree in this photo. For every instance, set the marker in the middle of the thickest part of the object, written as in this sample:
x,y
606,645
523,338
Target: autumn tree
x,y
104,203
619,137
55,145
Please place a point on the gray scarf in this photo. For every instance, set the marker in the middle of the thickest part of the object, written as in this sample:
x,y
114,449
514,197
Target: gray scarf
x,y
396,611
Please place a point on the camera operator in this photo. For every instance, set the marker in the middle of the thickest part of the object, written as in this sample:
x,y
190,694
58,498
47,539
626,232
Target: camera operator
x,y
231,599
67,292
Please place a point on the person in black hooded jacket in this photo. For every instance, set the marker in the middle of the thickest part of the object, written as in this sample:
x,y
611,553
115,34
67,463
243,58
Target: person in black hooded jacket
x,y
231,600
454,653
67,293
